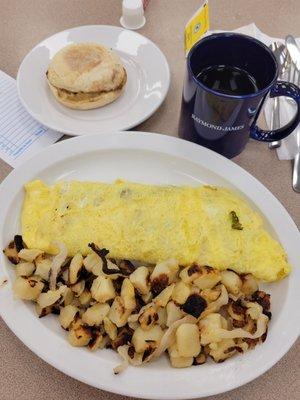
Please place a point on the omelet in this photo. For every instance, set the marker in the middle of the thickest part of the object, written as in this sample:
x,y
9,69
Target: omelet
x,y
151,223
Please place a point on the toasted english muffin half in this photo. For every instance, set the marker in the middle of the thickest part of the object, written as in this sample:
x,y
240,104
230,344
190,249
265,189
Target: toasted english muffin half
x,y
86,67
86,75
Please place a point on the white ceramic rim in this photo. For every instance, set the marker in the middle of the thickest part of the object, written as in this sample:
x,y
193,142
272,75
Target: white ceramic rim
x,y
128,126
268,204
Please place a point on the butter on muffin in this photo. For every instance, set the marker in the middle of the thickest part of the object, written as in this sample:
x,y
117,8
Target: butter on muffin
x,y
83,76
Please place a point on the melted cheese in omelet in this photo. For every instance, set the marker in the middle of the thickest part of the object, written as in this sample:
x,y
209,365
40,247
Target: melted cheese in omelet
x,y
150,224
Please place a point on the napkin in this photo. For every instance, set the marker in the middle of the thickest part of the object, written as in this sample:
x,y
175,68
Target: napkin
x,y
289,147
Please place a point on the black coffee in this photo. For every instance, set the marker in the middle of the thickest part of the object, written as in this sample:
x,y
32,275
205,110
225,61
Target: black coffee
x,y
228,80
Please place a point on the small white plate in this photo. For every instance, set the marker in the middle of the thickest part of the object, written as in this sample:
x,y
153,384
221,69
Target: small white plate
x,y
148,80
149,158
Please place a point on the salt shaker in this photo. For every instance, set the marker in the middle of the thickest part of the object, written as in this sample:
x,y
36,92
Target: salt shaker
x,y
132,14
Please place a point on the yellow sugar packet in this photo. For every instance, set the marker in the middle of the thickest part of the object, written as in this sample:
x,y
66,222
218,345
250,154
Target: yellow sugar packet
x,y
196,27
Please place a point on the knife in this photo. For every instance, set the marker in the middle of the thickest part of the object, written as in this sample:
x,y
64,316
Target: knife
x,y
294,52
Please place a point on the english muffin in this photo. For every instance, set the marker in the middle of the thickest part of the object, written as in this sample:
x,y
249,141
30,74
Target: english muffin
x,y
86,75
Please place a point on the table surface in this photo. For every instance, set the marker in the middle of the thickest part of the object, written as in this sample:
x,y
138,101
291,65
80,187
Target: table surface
x,y
26,22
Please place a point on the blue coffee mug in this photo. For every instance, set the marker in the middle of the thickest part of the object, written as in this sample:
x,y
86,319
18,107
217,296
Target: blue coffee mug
x,y
224,122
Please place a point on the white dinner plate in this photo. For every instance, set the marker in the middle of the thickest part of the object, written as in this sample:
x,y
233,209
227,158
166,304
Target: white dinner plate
x,y
148,80
149,158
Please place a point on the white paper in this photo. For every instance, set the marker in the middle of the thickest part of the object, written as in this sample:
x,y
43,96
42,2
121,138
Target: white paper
x,y
289,146
21,136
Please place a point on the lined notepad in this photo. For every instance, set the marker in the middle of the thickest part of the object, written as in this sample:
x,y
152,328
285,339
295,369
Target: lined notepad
x,y
21,136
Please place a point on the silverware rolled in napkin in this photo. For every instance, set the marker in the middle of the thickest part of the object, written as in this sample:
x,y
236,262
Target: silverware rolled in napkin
x,y
294,53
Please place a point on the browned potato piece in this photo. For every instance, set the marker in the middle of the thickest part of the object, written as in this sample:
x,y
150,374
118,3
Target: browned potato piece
x,y
51,297
11,253
67,297
29,254
249,284
128,294
118,313
104,342
93,263
162,299
211,295
139,279
148,318
222,350
181,292
163,274
188,340
168,268
176,360
110,328
208,279
209,327
103,289
42,312
231,281
96,341
203,277
94,315
123,337
78,288
190,273
25,269
28,288
85,297
142,340
174,313
79,335
43,266
67,315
